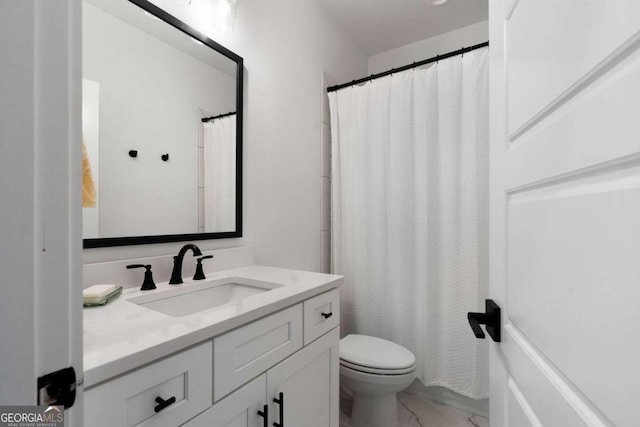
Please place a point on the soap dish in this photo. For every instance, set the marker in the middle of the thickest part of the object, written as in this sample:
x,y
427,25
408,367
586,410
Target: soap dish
x,y
90,302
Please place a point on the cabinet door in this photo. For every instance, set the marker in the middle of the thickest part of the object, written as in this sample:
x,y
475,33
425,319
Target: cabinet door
x,y
309,382
239,409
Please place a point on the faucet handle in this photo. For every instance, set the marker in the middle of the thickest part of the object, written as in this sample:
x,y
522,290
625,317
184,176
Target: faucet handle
x,y
138,266
147,283
199,271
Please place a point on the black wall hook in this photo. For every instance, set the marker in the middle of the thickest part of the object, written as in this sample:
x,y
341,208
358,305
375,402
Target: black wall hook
x,y
165,157
133,153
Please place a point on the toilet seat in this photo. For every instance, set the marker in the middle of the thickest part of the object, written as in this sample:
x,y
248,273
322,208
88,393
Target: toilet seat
x,y
376,371
375,356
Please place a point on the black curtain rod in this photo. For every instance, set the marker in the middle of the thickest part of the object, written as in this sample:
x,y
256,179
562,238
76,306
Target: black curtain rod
x,y
408,67
219,116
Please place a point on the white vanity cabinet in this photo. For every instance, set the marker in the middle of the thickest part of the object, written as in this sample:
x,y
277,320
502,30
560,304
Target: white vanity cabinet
x,y
291,356
308,381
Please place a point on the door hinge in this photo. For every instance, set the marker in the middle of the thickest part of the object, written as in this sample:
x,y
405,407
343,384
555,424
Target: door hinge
x,y
58,388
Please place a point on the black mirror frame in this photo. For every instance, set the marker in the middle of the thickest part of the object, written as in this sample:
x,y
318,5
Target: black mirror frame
x,y
166,238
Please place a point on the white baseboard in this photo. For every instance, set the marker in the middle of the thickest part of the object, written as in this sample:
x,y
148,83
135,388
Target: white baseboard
x,y
447,397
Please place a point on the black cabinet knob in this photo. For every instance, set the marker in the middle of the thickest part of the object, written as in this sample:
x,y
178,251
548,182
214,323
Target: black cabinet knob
x,y
164,403
327,315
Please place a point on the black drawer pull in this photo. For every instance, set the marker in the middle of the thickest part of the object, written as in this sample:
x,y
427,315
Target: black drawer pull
x,y
164,403
265,414
327,315
280,402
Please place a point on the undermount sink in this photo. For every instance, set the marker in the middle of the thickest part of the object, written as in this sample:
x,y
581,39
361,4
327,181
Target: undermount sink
x,y
186,300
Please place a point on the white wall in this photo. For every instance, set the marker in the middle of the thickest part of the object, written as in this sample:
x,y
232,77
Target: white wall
x,y
151,95
427,48
286,44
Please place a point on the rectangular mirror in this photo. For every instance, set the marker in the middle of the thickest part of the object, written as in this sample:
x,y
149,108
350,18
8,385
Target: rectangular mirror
x,y
162,129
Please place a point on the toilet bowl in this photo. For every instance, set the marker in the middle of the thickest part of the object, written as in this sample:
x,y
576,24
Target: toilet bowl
x,y
375,370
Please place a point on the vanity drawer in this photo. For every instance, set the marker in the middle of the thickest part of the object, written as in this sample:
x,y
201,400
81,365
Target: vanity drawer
x,y
248,351
321,314
130,400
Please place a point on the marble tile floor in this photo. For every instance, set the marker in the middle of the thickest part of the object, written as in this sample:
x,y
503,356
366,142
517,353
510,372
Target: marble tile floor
x,y
415,412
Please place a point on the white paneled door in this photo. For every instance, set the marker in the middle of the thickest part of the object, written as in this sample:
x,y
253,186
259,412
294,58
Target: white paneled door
x,y
40,204
565,212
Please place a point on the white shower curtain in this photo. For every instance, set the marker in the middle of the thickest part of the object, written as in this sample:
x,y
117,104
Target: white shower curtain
x,y
410,214
220,175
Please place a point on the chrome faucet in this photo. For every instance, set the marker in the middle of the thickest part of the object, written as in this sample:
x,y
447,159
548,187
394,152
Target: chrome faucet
x,y
176,274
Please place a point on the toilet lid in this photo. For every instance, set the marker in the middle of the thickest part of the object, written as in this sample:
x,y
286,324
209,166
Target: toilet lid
x,y
372,352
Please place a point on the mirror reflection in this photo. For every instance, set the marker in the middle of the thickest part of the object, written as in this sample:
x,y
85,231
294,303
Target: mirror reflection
x,y
159,127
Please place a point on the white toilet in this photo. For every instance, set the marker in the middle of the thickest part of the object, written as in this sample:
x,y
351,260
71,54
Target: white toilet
x,y
375,370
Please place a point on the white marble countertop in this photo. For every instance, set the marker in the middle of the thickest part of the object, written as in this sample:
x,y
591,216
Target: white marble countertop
x,y
122,336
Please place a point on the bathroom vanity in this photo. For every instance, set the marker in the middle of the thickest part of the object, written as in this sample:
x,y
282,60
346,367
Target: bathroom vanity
x,y
249,346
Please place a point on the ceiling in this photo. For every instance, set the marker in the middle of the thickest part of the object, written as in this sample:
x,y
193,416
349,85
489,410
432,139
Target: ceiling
x,y
380,25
